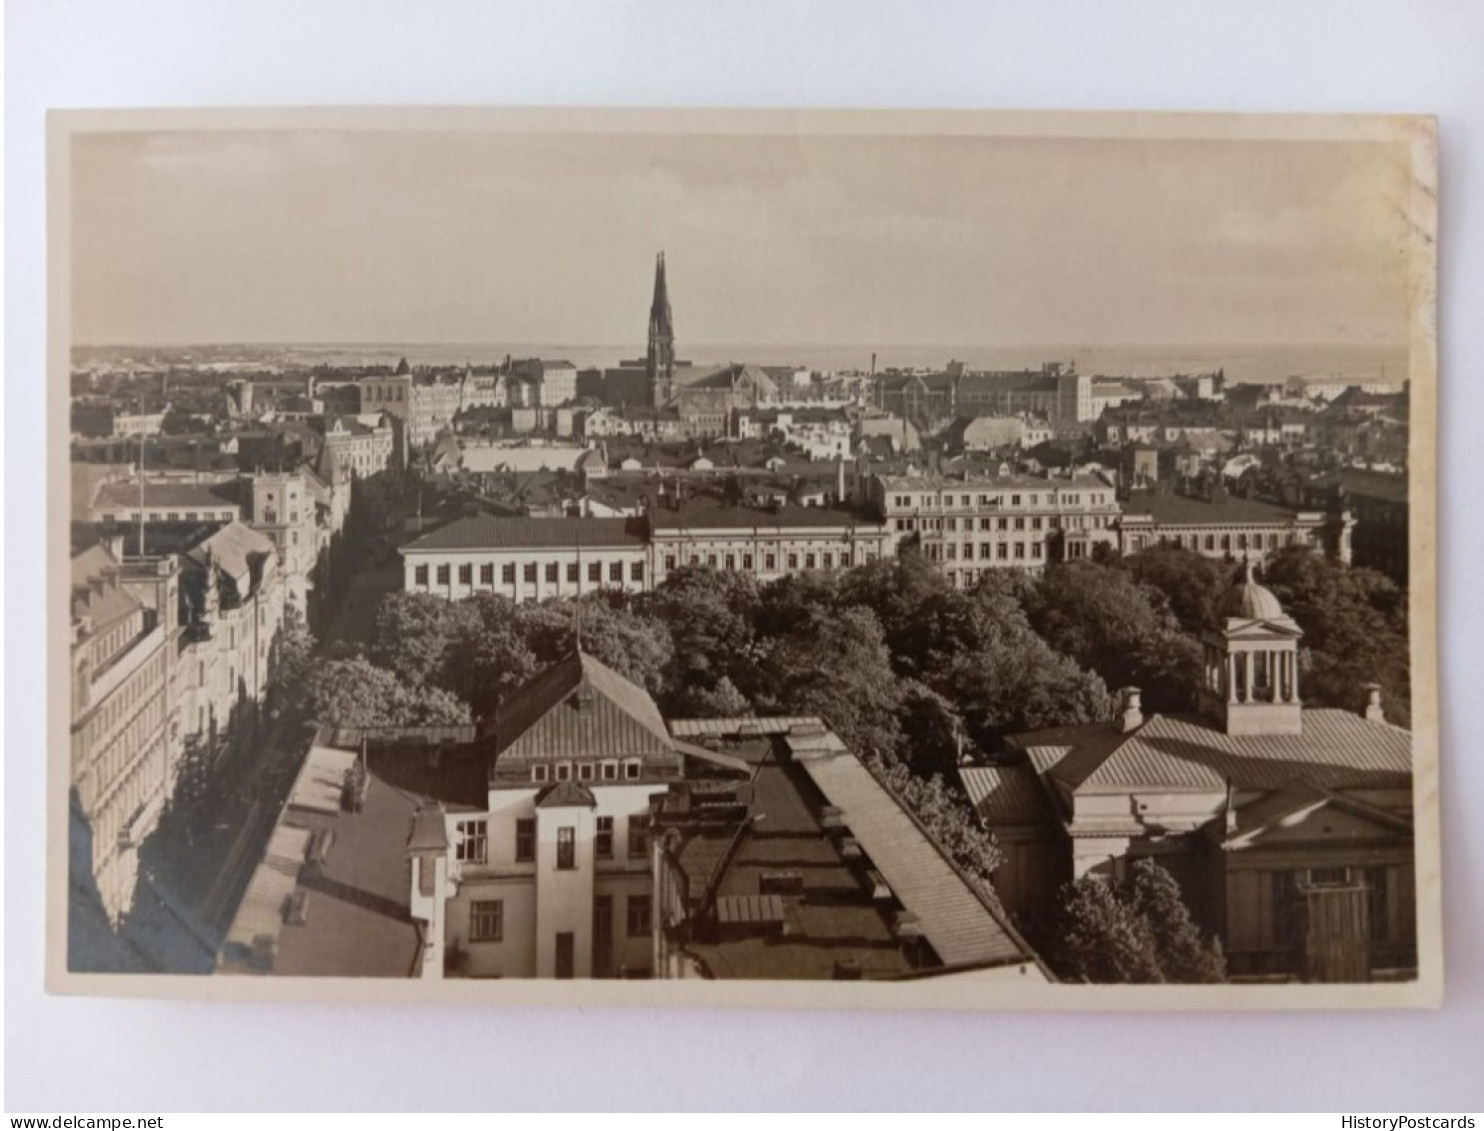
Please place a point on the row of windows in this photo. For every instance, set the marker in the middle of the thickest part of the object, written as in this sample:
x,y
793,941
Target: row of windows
x,y
472,843
171,516
631,769
145,682
529,571
1002,551
144,780
487,918
1073,498
809,560
1215,542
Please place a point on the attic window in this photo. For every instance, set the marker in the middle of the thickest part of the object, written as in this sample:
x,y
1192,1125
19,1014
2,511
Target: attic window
x,y
540,772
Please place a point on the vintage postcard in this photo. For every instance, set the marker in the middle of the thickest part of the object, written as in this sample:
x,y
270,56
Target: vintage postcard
x,y
842,559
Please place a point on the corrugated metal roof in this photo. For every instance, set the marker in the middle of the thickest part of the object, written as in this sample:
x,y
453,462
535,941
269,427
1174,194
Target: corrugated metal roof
x,y
492,532
953,917
1005,795
545,721
739,725
1337,750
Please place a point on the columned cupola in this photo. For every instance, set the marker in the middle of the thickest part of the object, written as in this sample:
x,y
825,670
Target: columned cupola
x,y
1250,682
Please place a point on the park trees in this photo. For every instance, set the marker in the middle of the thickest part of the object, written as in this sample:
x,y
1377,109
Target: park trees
x,y
1105,620
1137,931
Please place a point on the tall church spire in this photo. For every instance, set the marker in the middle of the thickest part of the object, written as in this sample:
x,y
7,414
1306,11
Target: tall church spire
x,y
661,336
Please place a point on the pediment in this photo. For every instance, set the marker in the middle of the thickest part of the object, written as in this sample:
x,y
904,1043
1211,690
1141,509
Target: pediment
x,y
1307,815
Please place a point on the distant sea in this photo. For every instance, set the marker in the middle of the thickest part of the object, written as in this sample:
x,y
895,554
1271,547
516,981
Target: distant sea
x,y
1242,363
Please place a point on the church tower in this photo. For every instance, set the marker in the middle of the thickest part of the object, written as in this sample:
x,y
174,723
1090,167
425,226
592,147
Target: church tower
x,y
661,338
1251,675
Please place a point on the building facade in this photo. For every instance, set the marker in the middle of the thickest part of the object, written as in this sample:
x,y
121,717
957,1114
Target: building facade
x,y
1288,828
968,526
122,712
1228,528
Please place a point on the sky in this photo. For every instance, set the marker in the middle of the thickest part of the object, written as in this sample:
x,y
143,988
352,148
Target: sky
x,y
358,236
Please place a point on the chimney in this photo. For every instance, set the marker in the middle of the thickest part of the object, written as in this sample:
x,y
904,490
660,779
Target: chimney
x,y
1374,713
1131,713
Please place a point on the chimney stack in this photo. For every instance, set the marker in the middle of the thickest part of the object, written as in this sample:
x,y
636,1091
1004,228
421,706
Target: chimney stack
x,y
1374,713
1131,713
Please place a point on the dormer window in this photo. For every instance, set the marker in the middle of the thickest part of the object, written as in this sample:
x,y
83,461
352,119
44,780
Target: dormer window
x,y
586,771
610,771
540,772
632,769
564,771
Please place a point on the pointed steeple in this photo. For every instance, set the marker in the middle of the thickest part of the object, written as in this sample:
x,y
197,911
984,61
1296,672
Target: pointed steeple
x,y
661,355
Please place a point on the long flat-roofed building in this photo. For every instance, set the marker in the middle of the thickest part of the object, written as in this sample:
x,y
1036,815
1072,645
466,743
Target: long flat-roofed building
x,y
528,559
531,559
1228,527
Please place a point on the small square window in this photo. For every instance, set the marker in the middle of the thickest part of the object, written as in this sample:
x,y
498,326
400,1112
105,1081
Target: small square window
x,y
586,771
540,772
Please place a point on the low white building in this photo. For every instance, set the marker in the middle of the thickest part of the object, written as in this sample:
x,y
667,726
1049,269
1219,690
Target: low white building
x,y
528,559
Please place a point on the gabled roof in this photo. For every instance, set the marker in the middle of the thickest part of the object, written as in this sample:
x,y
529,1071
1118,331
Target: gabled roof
x,y
611,718
1337,750
1005,795
566,795
237,549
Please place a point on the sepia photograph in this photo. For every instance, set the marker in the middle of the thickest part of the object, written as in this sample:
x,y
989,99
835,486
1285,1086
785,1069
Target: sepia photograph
x,y
836,558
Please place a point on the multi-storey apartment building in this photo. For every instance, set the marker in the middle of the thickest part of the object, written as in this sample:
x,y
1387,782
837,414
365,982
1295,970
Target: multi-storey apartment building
x,y
768,542
122,653
1000,522
282,507
232,603
362,445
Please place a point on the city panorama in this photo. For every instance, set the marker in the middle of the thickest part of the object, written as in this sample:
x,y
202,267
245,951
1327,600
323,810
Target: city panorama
x,y
407,642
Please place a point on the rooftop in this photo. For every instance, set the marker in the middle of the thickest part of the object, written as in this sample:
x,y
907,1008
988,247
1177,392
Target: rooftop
x,y
707,517
498,532
1187,510
1337,750
200,496
356,914
865,885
